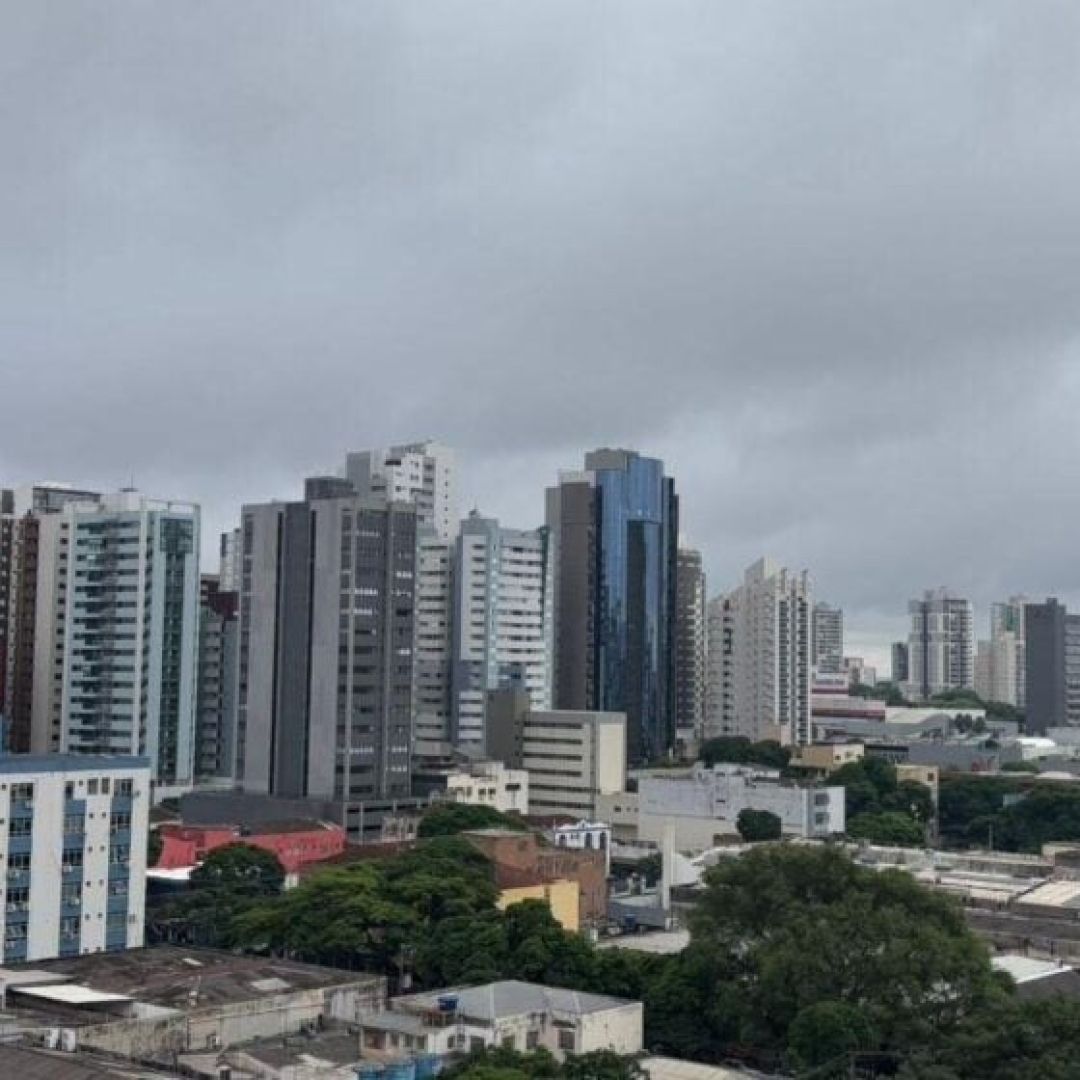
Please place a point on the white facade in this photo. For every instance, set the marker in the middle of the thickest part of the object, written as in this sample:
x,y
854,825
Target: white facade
x,y
502,620
759,656
941,645
490,783
419,473
582,836
116,631
73,847
432,645
707,804
517,1015
828,633
999,662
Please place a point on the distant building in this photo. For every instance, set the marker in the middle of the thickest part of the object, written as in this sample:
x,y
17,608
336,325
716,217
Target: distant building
x,y
571,757
294,843
433,648
219,651
490,783
704,807
230,561
74,853
421,473
613,531
1052,667
501,621
901,669
690,636
941,645
581,836
515,1015
327,614
759,653
828,638
1000,660
858,671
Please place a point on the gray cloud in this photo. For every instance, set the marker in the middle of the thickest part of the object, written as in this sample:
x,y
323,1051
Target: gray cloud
x,y
824,258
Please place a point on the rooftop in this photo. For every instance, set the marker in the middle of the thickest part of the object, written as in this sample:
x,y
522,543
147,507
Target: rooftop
x,y
54,763
178,978
511,998
31,1063
1025,969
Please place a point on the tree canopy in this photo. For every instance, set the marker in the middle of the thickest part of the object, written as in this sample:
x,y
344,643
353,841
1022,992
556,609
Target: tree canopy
x,y
738,750
449,818
754,825
880,808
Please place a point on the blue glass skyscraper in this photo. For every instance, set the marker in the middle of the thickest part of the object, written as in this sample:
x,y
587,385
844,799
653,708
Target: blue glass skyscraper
x,y
614,533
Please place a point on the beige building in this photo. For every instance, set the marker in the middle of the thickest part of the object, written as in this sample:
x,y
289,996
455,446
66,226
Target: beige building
x,y
490,783
828,757
571,757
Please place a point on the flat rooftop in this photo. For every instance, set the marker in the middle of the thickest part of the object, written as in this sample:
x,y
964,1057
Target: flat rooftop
x,y
31,1063
178,978
511,998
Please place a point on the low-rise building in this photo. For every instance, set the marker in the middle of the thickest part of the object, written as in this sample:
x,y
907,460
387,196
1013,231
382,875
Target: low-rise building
x,y
153,1004
828,757
295,843
518,1015
580,836
490,783
524,861
696,811
73,837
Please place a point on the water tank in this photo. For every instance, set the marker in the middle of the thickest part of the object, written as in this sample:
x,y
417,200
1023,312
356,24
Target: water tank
x,y
369,1070
400,1070
427,1065
448,1003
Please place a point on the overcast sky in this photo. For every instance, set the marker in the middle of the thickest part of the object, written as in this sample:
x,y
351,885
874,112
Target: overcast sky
x,y
822,257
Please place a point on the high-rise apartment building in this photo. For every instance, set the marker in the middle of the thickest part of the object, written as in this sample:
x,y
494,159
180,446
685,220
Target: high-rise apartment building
x,y
420,473
327,609
828,639
230,561
759,656
941,645
613,531
1000,661
219,647
690,643
502,618
433,647
105,598
7,549
901,669
27,623
1052,659
73,848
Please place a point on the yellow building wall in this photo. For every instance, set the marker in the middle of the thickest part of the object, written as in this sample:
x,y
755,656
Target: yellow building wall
x,y
563,897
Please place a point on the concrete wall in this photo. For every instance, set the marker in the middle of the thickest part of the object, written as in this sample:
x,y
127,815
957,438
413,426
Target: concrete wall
x,y
563,897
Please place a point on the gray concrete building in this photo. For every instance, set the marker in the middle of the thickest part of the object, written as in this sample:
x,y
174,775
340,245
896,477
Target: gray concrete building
x,y
941,645
219,647
690,644
1052,667
827,639
327,608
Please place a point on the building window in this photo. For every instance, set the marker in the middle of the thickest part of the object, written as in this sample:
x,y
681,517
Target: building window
x,y
566,1039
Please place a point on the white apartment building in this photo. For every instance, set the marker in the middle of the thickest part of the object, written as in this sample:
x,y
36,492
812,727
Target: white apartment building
x,y
828,637
116,628
759,659
420,473
1000,661
941,645
432,646
73,853
490,783
699,808
502,621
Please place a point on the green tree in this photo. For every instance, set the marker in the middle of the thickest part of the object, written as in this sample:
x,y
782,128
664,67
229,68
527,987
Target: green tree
x,y
738,750
888,827
448,818
788,927
756,825
827,1031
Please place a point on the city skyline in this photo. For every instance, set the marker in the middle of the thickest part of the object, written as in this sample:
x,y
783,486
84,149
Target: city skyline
x,y
845,321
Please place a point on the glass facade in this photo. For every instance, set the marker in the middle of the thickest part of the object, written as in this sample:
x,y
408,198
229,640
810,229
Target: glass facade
x,y
635,592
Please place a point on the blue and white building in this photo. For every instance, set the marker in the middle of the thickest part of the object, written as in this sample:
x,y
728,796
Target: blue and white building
x,y
73,837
